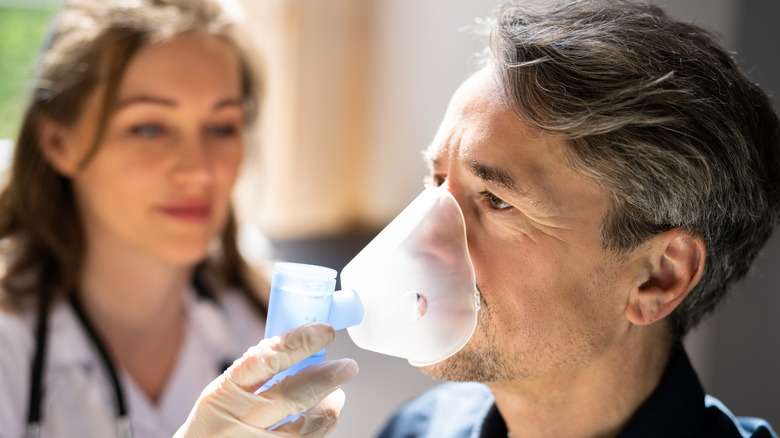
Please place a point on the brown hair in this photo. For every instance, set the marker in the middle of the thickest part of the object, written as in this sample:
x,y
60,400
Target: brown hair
x,y
93,41
659,114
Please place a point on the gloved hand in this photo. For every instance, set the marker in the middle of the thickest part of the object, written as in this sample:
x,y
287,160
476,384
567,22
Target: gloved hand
x,y
228,407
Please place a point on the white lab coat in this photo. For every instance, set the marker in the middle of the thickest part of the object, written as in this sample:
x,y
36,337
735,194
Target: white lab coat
x,y
79,399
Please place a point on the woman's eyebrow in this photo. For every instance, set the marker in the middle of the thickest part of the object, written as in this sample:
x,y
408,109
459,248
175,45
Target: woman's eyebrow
x,y
229,102
145,99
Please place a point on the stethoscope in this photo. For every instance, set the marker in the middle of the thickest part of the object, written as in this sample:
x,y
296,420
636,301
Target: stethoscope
x,y
39,360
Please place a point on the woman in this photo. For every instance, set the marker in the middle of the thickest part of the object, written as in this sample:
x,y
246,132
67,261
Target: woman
x,y
124,293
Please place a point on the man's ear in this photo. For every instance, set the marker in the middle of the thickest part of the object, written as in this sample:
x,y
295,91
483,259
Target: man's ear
x,y
673,266
52,141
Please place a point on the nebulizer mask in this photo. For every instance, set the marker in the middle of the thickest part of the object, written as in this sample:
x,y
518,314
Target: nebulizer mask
x,y
410,293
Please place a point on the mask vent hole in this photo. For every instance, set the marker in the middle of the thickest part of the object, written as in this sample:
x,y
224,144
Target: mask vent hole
x,y
412,305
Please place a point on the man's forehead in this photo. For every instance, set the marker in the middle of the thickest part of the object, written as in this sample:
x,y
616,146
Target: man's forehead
x,y
489,134
483,135
476,111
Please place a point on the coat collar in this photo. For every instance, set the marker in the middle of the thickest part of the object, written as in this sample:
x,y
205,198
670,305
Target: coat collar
x,y
70,346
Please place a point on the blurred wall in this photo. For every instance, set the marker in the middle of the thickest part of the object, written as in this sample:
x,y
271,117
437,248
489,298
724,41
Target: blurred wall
x,y
420,53
307,178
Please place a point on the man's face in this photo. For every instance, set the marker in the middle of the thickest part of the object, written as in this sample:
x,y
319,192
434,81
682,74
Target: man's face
x,y
553,299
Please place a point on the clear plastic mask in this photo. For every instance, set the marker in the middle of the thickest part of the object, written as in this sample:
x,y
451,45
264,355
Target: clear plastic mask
x,y
416,283
410,293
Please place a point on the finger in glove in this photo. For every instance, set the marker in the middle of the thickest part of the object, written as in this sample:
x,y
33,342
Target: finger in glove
x,y
301,391
276,354
319,420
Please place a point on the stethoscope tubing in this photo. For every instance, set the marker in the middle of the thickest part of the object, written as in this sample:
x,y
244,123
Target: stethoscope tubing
x,y
36,378
39,362
36,374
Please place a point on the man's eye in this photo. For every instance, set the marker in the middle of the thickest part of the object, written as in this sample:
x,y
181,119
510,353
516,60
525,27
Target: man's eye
x,y
147,130
494,202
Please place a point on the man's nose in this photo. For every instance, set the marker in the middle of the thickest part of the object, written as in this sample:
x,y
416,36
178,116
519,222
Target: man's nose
x,y
459,193
441,224
466,205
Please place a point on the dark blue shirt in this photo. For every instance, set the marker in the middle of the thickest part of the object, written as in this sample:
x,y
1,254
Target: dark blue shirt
x,y
677,409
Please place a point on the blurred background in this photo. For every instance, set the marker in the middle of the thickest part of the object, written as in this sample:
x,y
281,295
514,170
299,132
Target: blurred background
x,y
355,89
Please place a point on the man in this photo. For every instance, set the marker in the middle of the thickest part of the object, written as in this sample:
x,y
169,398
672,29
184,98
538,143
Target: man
x,y
617,173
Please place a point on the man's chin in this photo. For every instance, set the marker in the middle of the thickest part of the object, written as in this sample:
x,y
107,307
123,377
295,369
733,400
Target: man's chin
x,y
461,367
442,371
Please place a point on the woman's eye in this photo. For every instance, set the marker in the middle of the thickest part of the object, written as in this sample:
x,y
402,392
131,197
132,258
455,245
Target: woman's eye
x,y
494,202
147,130
222,130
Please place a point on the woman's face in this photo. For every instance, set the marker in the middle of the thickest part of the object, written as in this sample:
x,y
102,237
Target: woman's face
x,y
161,179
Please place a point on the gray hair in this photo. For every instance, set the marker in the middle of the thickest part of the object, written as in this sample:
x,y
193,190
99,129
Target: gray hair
x,y
659,114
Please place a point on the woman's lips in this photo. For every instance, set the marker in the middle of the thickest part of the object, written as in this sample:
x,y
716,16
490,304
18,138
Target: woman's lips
x,y
187,211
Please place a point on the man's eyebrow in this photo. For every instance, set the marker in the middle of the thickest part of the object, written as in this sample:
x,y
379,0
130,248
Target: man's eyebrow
x,y
495,175
502,178
485,172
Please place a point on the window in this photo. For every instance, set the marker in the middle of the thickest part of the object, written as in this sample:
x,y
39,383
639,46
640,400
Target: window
x,y
23,25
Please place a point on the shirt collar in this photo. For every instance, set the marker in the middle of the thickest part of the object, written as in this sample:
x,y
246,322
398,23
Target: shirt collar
x,y
674,409
493,425
69,346
208,320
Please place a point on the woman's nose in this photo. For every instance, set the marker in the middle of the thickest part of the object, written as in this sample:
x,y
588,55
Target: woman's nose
x,y
192,162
